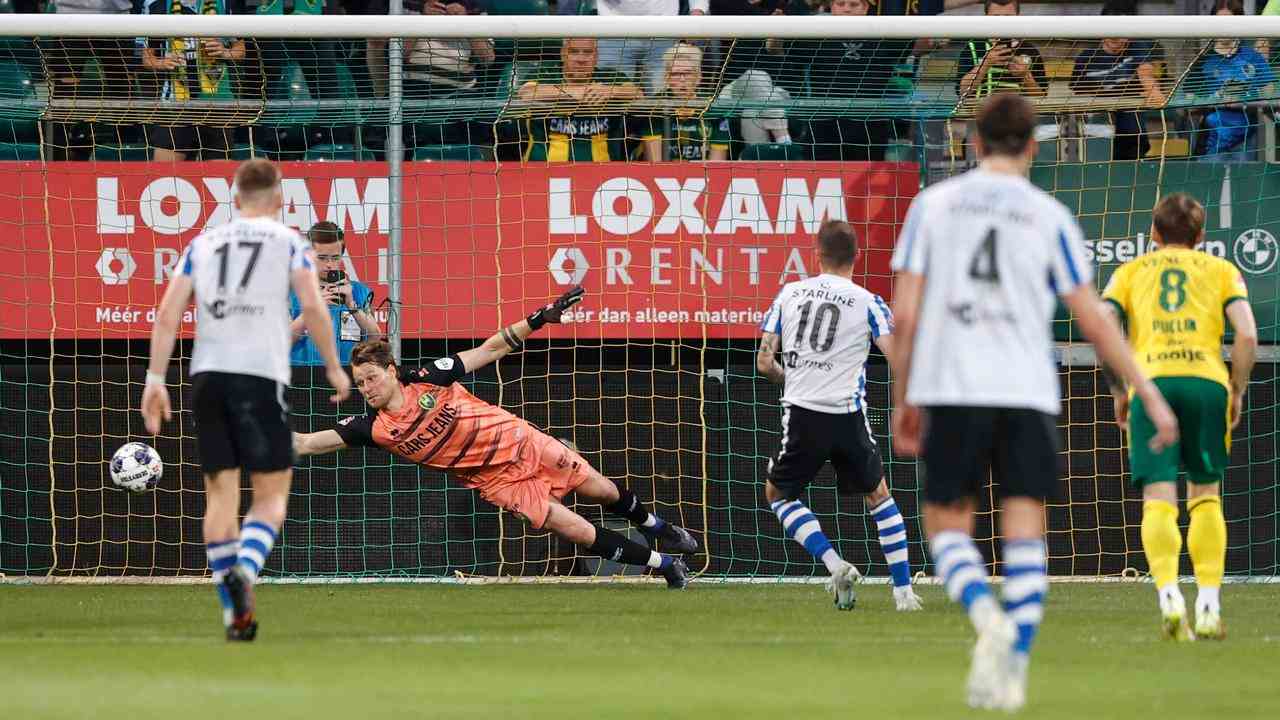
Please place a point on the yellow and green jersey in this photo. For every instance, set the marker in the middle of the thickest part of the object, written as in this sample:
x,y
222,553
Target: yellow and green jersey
x,y
1174,301
580,136
686,135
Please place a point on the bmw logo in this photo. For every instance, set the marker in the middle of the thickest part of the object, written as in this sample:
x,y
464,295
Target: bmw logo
x,y
1256,251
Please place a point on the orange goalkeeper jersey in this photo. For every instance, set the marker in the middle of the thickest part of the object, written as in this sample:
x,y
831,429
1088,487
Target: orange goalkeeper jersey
x,y
440,425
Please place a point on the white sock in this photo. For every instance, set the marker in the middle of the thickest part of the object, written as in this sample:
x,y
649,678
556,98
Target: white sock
x,y
1170,598
1208,599
832,560
655,560
650,521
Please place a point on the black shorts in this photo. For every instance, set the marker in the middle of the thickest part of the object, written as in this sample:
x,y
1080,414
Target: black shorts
x,y
242,421
811,438
207,143
964,446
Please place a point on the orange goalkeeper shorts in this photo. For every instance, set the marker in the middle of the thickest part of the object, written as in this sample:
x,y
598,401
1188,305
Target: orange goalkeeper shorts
x,y
542,470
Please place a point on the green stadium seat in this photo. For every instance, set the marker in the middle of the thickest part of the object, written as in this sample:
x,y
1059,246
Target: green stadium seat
x,y
518,7
19,151
243,151
442,153
122,153
775,151
336,153
15,86
900,151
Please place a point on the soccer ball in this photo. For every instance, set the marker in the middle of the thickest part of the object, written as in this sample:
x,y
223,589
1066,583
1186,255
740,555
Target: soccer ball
x,y
137,467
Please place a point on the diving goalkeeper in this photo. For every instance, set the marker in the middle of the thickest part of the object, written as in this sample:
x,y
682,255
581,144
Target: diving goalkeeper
x,y
425,417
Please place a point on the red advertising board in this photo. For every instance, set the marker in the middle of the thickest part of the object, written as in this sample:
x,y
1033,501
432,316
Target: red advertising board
x,y
664,250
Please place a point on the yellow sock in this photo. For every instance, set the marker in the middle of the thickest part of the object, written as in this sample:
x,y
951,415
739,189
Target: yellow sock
x,y
1161,540
1206,540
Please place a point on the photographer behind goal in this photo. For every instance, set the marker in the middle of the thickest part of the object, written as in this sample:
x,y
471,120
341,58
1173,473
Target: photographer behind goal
x,y
350,301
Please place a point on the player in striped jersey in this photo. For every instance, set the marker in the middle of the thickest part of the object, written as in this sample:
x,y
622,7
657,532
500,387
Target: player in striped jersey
x,y
980,265
425,417
240,274
814,341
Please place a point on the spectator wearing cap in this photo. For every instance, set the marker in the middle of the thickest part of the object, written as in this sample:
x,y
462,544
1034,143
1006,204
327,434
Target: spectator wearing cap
x,y
350,301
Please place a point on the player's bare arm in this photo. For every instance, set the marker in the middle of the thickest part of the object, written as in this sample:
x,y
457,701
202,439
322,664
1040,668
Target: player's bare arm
x,y
767,358
1244,352
908,290
164,334
316,318
1100,327
317,443
511,338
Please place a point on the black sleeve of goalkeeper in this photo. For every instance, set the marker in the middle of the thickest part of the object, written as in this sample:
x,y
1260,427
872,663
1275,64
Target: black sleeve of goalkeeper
x,y
442,372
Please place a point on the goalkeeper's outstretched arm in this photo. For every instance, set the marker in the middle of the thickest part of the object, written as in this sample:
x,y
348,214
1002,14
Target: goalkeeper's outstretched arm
x,y
511,338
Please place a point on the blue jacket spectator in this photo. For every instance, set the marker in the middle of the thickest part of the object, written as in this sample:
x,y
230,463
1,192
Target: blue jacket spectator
x,y
1232,72
350,301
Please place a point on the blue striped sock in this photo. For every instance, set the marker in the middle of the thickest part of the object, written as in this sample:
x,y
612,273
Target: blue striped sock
x,y
1025,586
962,570
256,540
800,525
221,556
893,541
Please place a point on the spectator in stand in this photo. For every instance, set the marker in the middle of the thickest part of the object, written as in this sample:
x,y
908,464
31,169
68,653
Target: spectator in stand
x,y
350,301
580,107
444,68
637,57
190,69
1232,74
1121,68
1001,64
66,58
683,133
853,69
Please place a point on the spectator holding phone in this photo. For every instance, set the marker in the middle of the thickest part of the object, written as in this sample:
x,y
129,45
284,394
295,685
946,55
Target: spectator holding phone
x,y
349,301
1001,65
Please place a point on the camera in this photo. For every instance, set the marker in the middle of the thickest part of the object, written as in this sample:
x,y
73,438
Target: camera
x,y
333,277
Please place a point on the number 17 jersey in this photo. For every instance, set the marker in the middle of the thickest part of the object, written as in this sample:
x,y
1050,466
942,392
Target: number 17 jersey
x,y
826,325
241,273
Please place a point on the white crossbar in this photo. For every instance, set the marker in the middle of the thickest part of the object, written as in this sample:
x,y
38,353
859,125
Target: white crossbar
x,y
513,26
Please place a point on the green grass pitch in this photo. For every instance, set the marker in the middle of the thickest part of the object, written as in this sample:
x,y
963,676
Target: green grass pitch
x,y
606,651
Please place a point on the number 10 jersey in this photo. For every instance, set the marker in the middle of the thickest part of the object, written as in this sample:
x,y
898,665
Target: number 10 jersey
x,y
995,252
241,273
826,325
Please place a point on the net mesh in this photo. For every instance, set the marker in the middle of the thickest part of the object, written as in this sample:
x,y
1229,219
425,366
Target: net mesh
x,y
119,151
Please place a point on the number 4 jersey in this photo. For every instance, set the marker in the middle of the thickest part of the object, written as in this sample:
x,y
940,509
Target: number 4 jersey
x,y
826,325
1173,300
241,275
995,251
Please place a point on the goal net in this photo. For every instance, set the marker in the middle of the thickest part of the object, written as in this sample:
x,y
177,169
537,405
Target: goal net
x,y
478,166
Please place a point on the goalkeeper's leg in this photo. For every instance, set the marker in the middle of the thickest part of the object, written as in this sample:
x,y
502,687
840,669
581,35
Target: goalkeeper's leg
x,y
611,545
623,503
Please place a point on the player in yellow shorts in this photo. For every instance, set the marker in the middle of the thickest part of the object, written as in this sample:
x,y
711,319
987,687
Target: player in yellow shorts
x,y
1173,301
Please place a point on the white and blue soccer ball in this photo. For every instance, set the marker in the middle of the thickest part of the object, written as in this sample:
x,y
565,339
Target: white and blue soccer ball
x,y
136,467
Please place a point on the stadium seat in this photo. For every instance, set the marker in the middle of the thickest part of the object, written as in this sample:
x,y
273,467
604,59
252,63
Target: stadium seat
x,y
441,153
16,86
122,153
1169,147
336,153
900,151
19,151
774,151
243,151
518,7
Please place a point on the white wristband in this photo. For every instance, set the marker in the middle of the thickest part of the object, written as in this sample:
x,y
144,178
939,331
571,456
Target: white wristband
x,y
155,378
